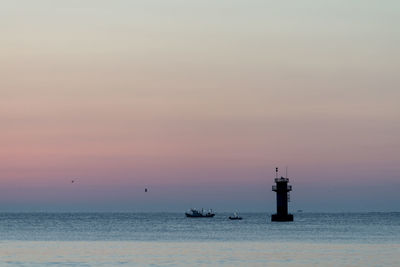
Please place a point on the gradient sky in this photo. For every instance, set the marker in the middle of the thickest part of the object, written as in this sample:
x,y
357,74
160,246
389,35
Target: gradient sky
x,y
199,101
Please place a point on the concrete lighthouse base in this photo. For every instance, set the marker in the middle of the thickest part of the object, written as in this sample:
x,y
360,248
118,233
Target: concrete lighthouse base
x,y
282,218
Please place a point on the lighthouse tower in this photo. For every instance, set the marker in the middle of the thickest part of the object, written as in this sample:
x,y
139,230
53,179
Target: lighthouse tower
x,y
282,190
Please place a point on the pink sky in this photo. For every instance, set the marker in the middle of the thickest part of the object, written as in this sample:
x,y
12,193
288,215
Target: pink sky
x,y
192,98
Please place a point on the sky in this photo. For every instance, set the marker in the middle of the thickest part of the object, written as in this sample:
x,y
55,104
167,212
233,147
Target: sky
x,y
199,101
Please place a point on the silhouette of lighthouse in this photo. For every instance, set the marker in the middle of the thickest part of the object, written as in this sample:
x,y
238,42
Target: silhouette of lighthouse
x,y
282,190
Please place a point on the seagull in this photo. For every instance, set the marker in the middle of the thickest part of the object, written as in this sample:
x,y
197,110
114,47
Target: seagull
x,y
145,190
72,181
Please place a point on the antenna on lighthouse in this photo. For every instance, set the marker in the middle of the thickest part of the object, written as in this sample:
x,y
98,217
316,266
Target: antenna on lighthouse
x,y
276,170
286,172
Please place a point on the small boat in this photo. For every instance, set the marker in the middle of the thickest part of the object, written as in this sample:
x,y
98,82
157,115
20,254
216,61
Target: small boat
x,y
194,213
235,217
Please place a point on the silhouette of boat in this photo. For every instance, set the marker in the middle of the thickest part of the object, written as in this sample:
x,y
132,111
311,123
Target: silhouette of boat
x,y
235,217
194,213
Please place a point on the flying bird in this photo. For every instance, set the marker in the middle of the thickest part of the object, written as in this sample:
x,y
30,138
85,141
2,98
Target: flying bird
x,y
145,190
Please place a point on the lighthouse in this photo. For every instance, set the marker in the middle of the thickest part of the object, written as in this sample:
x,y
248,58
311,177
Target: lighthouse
x,y
282,190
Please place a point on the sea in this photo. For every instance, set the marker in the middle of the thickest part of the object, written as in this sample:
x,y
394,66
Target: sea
x,y
171,239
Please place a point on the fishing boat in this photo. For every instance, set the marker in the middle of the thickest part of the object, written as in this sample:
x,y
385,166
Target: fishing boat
x,y
235,217
194,213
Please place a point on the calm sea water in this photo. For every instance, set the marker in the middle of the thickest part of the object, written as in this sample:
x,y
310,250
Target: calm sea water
x,y
109,239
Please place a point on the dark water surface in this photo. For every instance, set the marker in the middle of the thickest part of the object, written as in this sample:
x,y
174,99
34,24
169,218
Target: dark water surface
x,y
307,227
